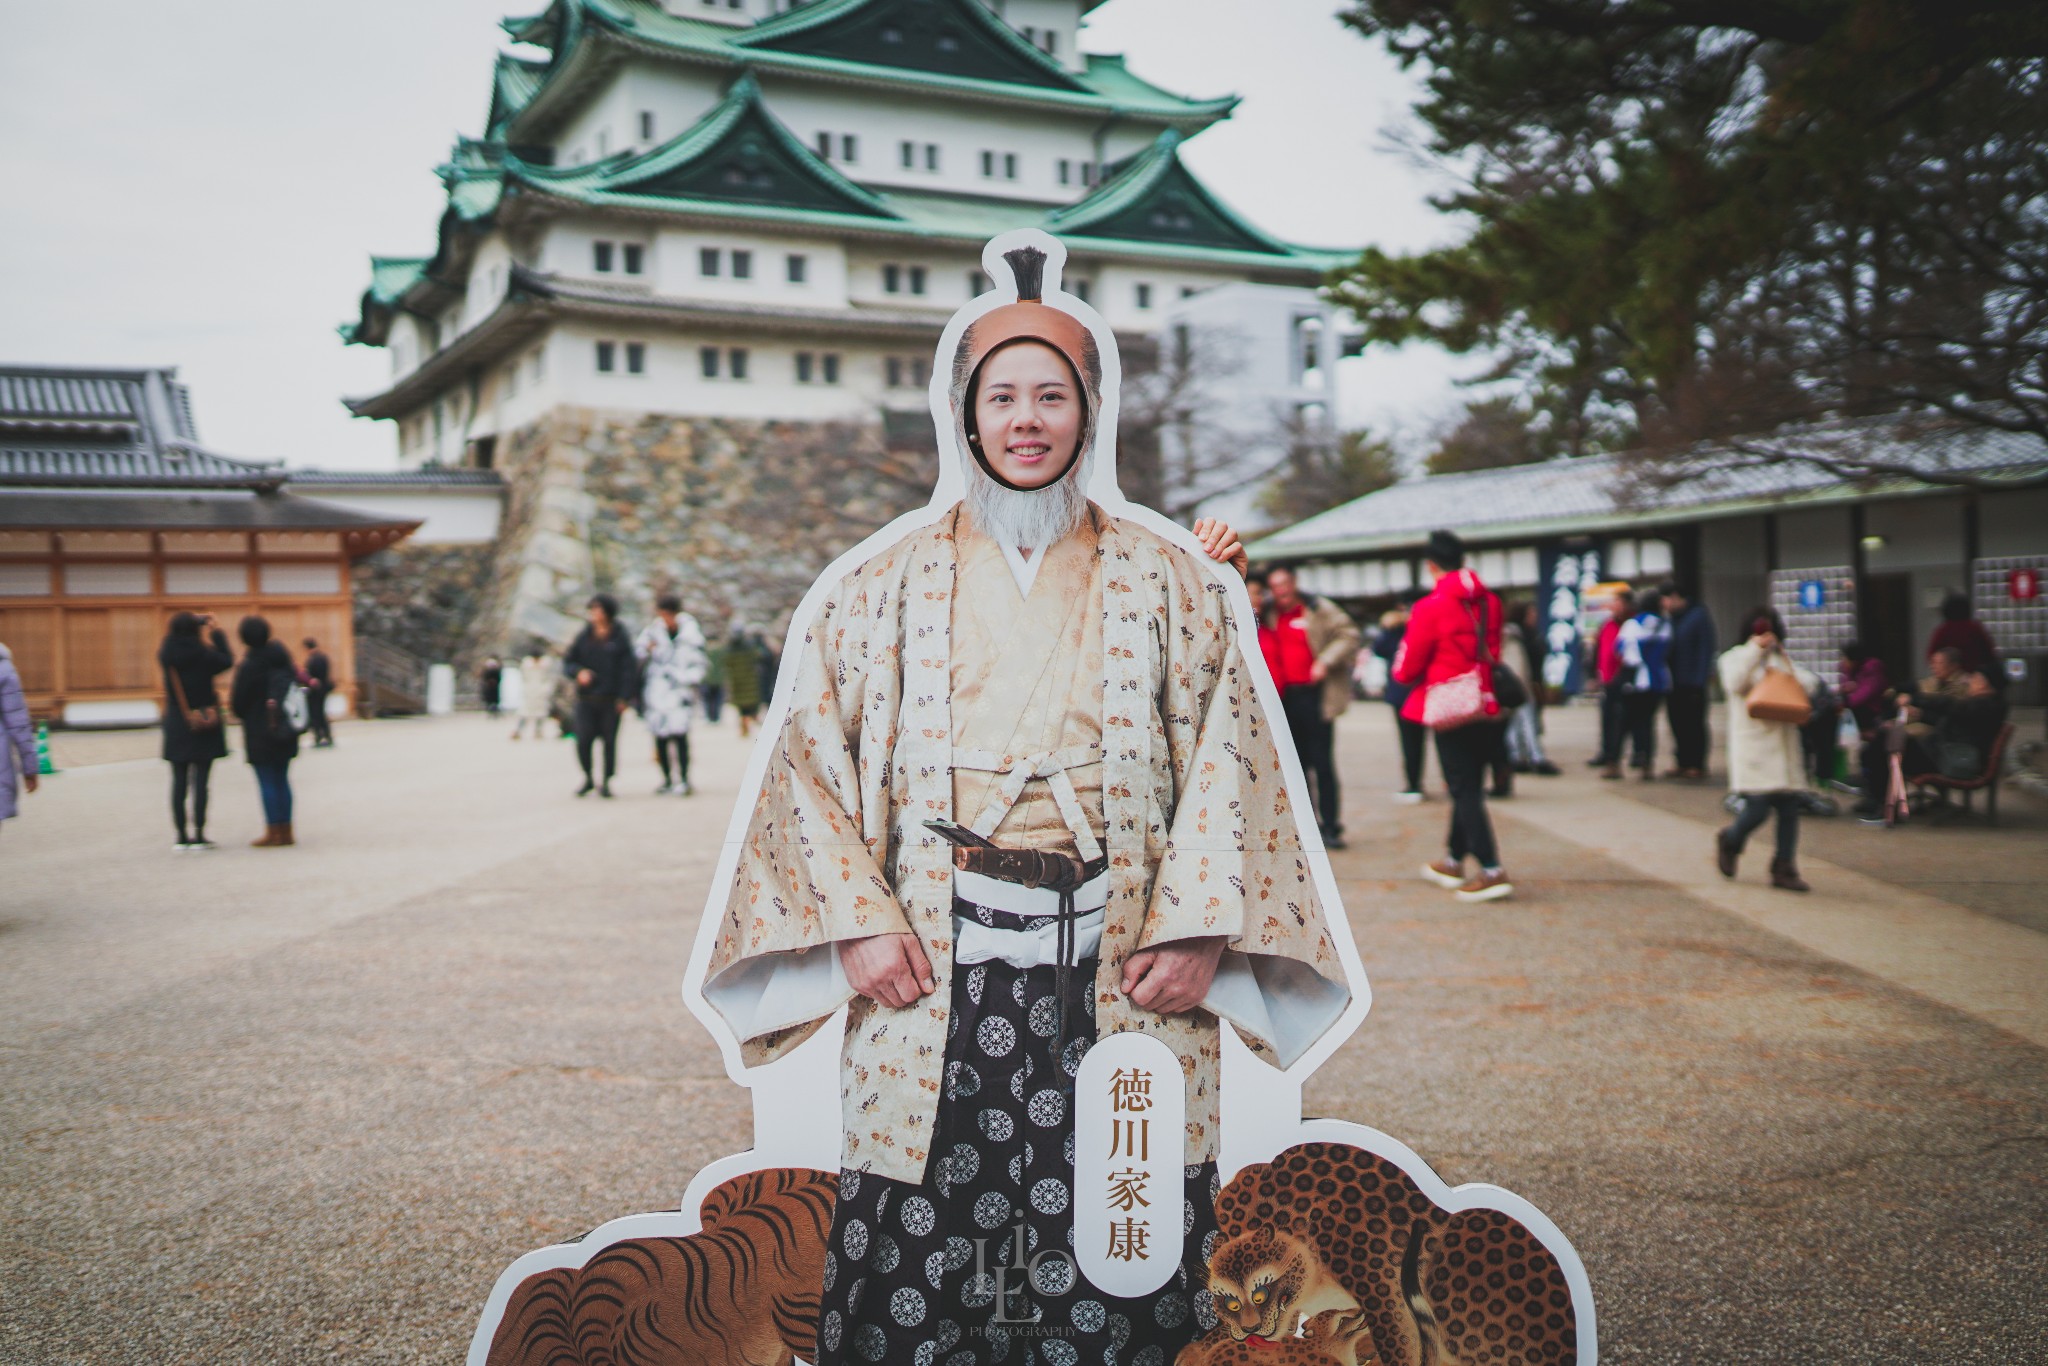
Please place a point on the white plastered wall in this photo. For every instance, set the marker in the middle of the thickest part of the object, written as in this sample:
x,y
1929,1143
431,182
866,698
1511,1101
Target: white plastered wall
x,y
962,130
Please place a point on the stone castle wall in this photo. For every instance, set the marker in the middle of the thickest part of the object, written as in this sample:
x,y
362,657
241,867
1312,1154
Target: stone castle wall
x,y
737,517
421,598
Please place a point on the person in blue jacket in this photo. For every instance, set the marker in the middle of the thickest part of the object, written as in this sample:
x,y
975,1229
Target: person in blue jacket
x,y
1645,649
1693,648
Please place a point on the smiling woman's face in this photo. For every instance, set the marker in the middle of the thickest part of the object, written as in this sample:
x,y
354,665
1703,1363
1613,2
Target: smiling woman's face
x,y
1028,414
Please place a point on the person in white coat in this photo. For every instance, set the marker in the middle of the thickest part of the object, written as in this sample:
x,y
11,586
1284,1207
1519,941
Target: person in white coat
x,y
538,677
1766,766
672,665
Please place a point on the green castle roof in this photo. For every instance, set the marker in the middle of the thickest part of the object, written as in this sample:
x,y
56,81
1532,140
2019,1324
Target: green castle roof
x,y
1152,197
903,33
738,154
740,164
889,42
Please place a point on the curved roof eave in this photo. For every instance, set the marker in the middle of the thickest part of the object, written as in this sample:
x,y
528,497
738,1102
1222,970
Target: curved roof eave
x,y
973,13
584,58
1290,261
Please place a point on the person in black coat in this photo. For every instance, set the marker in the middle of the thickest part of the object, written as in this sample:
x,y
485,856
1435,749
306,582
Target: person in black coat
x,y
607,678
262,681
193,734
321,670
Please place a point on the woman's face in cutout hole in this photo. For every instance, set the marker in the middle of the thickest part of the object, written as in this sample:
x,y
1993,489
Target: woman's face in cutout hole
x,y
1028,414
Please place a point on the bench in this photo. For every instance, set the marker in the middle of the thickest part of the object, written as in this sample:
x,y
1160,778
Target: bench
x,y
1987,781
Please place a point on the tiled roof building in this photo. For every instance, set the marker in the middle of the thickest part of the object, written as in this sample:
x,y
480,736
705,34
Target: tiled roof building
x,y
687,231
680,178
113,517
1867,558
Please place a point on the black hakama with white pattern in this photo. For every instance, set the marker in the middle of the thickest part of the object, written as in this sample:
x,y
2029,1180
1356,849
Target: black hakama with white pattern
x,y
910,1273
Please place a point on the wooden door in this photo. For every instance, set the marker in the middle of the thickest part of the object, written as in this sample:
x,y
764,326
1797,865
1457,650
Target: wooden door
x,y
31,634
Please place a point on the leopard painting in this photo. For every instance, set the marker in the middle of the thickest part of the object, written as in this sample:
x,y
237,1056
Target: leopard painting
x,y
1332,1254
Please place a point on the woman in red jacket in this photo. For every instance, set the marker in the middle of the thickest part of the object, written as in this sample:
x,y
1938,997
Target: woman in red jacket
x,y
1443,644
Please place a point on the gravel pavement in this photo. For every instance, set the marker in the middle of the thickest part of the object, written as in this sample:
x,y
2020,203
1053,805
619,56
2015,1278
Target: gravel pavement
x,y
304,1105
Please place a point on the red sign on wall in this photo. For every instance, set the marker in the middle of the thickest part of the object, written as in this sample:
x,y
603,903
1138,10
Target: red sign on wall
x,y
2023,584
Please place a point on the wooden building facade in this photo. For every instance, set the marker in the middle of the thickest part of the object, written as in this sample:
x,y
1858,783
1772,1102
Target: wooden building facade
x,y
113,520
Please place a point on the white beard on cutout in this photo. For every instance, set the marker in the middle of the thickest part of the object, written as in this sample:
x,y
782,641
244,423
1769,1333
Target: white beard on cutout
x,y
1032,520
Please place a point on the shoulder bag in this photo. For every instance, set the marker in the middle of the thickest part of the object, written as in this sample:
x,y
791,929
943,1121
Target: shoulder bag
x,y
1480,693
1778,697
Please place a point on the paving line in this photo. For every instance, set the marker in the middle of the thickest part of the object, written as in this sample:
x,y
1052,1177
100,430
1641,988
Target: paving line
x,y
1985,967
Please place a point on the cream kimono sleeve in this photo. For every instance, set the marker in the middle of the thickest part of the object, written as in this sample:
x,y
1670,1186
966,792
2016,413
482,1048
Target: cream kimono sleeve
x,y
1233,863
810,872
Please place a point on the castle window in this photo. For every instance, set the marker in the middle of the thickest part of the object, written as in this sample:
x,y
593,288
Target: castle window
x,y
825,145
708,261
831,364
707,361
1143,294
798,266
736,362
931,156
988,165
1188,291
1087,173
636,358
601,257
1066,171
978,283
892,368
804,360
849,148
635,257
917,279
892,279
1052,42
1080,290
607,359
908,151
647,125
743,265
1009,165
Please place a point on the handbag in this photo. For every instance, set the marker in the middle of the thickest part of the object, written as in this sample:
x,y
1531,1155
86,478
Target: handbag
x,y
196,719
1508,689
1778,697
1477,694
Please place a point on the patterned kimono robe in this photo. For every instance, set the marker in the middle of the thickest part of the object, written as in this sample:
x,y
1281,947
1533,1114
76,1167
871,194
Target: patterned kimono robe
x,y
1200,835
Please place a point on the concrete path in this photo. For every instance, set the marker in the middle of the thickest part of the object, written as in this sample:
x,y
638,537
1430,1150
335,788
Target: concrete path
x,y
303,1105
1976,963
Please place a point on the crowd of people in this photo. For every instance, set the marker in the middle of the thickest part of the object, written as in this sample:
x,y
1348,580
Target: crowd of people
x,y
1656,657
668,673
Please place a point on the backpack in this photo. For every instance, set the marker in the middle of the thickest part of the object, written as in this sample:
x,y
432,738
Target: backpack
x,y
294,715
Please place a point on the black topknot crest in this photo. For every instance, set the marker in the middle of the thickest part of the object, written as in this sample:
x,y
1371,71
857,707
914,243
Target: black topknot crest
x,y
1027,265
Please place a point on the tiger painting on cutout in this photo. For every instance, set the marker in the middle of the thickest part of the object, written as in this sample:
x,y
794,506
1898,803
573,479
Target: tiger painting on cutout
x,y
1332,1254
741,1292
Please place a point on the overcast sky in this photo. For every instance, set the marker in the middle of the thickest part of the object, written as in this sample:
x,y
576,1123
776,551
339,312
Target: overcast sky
x,y
201,185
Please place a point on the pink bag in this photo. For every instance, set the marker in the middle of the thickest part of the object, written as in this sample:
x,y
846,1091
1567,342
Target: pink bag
x,y
1459,701
1464,698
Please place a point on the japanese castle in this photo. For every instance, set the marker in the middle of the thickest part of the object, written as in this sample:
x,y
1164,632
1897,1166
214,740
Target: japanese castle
x,y
765,210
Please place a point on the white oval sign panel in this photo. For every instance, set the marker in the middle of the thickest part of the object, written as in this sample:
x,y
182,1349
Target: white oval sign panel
x,y
1130,1134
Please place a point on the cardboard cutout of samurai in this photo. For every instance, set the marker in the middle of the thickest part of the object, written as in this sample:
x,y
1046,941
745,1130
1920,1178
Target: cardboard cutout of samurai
x,y
1022,837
